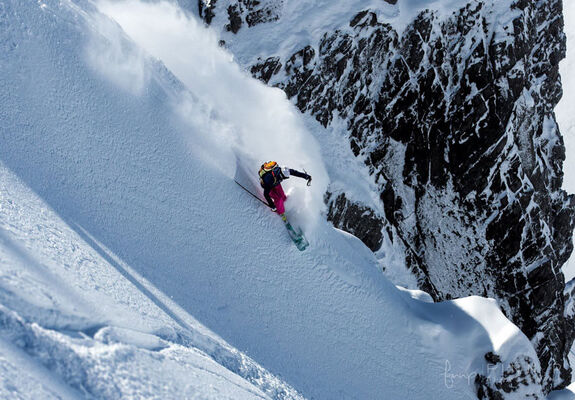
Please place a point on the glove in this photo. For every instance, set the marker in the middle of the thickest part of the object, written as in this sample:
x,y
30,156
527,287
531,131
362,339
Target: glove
x,y
309,180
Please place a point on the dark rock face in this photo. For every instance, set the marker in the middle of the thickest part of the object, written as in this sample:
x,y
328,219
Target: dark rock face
x,y
206,11
266,69
499,380
250,12
351,217
455,121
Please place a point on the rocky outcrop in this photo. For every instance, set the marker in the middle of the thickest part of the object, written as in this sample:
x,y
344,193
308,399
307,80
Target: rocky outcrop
x,y
249,12
352,217
454,117
518,376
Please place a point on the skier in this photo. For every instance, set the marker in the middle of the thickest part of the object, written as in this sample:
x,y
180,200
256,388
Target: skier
x,y
271,175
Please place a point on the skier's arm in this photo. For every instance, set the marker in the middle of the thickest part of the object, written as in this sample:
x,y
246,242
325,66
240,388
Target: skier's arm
x,y
300,175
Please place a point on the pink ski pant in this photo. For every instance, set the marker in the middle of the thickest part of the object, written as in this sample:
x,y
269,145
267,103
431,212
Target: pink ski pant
x,y
278,196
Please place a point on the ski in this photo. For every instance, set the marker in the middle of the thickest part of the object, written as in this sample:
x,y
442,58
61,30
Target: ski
x,y
296,235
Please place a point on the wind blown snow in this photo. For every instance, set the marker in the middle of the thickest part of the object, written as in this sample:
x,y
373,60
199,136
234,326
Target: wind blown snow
x,y
263,124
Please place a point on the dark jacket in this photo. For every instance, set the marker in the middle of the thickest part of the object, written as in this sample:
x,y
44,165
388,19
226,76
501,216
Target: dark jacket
x,y
269,181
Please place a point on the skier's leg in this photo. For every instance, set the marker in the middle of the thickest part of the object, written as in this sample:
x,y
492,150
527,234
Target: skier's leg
x,y
269,198
278,196
281,191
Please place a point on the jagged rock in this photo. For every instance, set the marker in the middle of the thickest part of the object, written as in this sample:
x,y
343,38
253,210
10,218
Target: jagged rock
x,y
518,375
206,10
251,12
265,69
455,121
234,14
366,225
492,358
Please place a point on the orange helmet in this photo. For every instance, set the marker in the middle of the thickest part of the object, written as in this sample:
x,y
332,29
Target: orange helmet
x,y
269,165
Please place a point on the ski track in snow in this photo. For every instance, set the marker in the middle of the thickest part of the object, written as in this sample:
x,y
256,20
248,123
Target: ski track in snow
x,y
119,218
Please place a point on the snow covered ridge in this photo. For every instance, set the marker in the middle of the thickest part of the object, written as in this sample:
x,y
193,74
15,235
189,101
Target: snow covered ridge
x,y
450,106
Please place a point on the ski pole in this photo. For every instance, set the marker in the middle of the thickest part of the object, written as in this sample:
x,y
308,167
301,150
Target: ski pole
x,y
252,193
309,180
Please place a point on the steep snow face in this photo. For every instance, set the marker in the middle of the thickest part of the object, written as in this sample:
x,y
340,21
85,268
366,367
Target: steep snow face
x,y
451,109
77,322
262,125
119,217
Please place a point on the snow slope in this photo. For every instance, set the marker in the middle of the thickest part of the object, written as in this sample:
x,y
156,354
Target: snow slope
x,y
77,322
119,218
566,394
